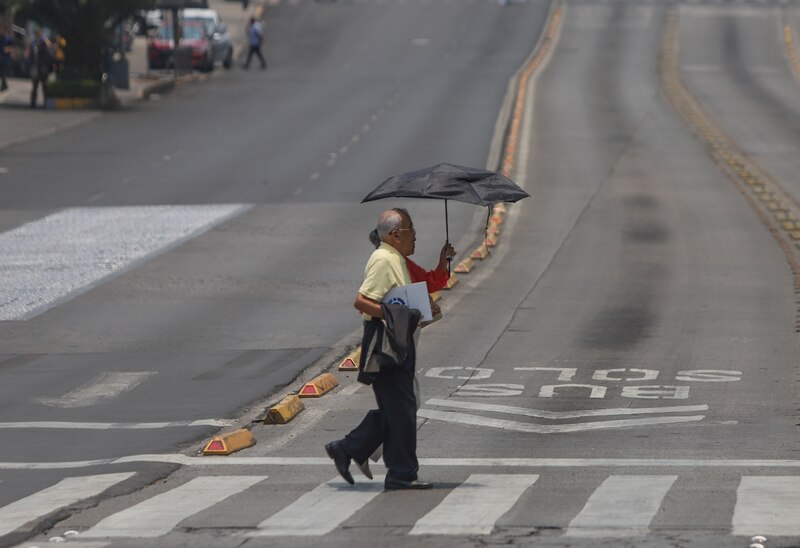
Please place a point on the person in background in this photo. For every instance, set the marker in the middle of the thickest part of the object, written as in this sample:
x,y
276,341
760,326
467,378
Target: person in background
x,y
40,61
6,43
255,36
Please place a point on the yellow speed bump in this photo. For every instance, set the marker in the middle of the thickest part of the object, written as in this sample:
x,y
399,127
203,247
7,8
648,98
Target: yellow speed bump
x,y
284,411
350,362
493,229
318,386
436,296
464,266
230,442
491,240
499,208
795,234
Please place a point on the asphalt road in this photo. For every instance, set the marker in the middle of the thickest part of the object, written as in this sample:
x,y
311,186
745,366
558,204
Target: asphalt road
x,y
622,372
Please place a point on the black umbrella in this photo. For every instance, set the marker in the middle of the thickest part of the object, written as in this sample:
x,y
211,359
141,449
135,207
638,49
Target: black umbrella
x,y
450,182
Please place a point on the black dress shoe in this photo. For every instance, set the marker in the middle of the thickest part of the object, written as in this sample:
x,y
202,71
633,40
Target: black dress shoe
x,y
340,459
396,484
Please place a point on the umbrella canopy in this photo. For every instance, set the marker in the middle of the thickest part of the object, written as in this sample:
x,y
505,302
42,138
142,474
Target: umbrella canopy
x,y
450,182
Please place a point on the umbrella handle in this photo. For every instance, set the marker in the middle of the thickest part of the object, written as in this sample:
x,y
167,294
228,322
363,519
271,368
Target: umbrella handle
x,y
447,236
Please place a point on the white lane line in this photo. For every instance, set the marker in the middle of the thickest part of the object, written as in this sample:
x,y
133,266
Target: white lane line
x,y
563,414
66,425
767,505
489,462
623,506
160,514
47,261
65,492
105,386
503,424
474,507
320,511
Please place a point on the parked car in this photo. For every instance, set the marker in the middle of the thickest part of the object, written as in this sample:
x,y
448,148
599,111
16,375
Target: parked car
x,y
193,35
221,43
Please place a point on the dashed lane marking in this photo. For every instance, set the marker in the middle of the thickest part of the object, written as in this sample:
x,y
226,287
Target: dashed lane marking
x,y
102,388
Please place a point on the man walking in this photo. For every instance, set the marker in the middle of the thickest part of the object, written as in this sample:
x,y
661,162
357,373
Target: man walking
x,y
6,43
40,61
393,424
255,36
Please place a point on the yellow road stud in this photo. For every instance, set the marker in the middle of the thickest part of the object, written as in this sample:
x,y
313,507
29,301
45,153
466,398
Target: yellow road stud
x,y
795,234
230,443
284,411
350,362
774,206
464,266
789,225
481,252
318,386
452,281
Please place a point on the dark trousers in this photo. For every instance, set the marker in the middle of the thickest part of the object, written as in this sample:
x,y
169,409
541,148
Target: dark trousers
x,y
393,424
3,70
34,90
255,50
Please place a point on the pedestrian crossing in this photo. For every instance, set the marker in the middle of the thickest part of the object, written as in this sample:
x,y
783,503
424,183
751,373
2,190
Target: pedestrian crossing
x,y
620,506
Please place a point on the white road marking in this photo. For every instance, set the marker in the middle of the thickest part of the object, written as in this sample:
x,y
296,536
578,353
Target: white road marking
x,y
474,507
554,415
767,505
623,506
65,492
4,170
105,386
321,510
488,462
50,260
66,425
517,426
161,513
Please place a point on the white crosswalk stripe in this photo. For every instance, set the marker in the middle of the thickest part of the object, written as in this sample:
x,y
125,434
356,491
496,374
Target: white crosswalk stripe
x,y
767,504
65,492
320,511
474,507
622,506
160,514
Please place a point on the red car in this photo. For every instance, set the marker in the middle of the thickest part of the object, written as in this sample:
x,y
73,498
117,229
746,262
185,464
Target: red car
x,y
193,35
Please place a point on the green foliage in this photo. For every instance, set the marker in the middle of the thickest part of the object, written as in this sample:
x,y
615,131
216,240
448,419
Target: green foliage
x,y
85,25
89,89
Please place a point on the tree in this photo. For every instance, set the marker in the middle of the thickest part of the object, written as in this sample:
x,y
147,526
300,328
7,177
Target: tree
x,y
85,25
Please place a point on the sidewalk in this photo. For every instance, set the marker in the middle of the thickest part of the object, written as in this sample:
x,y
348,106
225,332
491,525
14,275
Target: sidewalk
x,y
22,124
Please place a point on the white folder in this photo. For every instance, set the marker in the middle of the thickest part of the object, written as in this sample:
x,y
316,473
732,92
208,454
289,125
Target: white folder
x,y
412,296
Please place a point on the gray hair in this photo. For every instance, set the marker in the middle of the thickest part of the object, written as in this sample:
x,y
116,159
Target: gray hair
x,y
388,221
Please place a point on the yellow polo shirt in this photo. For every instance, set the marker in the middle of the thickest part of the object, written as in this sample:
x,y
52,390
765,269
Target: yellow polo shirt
x,y
385,270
